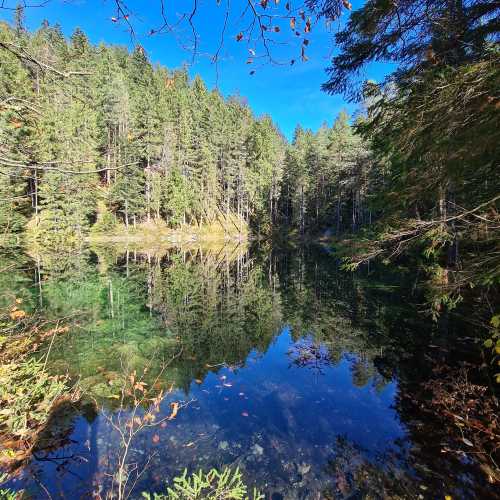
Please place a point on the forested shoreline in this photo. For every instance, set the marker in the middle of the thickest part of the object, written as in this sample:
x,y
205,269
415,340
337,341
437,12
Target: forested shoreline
x,y
120,141
97,139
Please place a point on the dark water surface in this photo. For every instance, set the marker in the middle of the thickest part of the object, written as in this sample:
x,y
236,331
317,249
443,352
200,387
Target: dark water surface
x,y
273,361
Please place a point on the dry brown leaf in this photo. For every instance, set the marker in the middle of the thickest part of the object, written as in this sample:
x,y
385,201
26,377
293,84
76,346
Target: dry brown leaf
x,y
175,409
17,314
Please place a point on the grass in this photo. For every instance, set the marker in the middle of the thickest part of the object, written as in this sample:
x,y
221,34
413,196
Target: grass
x,y
230,229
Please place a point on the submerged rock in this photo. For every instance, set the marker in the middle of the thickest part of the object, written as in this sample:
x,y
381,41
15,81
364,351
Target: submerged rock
x,y
223,445
303,468
257,450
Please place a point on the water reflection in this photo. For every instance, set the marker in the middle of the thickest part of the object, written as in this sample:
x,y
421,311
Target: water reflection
x,y
266,360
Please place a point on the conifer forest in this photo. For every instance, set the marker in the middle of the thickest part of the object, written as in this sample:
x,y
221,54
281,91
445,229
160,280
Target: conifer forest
x,y
195,304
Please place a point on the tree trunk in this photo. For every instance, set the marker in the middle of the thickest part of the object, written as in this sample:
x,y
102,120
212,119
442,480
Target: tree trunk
x,y
338,214
126,214
36,192
148,192
108,159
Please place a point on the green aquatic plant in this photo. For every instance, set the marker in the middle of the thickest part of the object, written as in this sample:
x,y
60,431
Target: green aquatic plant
x,y
213,485
6,493
493,343
28,392
27,395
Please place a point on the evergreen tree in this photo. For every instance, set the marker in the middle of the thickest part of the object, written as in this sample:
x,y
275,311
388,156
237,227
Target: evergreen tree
x,y
122,140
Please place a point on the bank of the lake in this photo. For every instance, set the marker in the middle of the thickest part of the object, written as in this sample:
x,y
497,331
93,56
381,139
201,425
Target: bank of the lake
x,y
231,228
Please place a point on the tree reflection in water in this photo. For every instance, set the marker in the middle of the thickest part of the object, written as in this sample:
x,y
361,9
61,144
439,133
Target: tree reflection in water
x,y
292,369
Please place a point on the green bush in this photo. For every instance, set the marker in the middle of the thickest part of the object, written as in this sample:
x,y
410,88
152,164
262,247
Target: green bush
x,y
6,493
106,223
27,394
214,485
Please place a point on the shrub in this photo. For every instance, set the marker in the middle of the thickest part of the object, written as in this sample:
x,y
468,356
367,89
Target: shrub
x,y
27,394
214,485
106,223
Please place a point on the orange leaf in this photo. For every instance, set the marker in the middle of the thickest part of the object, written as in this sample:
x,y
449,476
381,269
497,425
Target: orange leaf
x,y
175,409
156,439
17,314
149,417
292,23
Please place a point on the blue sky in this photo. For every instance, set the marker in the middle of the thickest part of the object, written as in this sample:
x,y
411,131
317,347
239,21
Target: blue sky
x,y
289,94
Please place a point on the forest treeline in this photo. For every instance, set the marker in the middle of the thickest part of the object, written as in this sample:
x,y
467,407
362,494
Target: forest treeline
x,y
96,135
108,138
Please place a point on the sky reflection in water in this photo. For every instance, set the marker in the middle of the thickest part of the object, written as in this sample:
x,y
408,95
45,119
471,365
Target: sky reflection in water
x,y
286,390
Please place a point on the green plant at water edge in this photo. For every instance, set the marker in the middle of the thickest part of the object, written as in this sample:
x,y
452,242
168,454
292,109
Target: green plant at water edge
x,y
6,493
106,221
493,343
27,394
214,485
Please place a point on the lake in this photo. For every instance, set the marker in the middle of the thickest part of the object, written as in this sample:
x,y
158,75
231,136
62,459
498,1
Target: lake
x,y
271,360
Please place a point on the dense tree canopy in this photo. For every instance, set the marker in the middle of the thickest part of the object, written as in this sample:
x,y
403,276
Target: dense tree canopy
x,y
120,140
434,127
416,35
